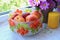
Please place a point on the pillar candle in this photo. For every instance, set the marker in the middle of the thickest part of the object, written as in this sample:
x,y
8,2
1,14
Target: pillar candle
x,y
53,20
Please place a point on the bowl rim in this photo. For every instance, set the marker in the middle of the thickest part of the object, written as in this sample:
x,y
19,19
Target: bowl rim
x,y
5,12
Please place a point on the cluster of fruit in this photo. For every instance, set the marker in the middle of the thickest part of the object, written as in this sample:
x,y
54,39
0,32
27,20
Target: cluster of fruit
x,y
33,18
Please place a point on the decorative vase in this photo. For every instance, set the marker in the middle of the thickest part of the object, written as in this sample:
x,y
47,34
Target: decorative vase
x,y
58,6
45,15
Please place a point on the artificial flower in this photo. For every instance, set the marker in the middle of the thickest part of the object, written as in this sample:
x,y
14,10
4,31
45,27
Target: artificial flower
x,y
43,0
44,5
32,2
37,2
52,4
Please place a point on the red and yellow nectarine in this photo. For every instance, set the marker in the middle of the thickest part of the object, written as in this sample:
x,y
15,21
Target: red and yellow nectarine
x,y
30,18
37,13
19,19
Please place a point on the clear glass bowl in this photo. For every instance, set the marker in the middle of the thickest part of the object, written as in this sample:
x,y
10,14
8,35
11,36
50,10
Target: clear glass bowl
x,y
26,28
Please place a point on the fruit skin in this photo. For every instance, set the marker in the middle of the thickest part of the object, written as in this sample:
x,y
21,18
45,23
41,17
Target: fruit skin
x,y
14,15
19,19
18,12
12,24
30,18
24,15
22,31
35,24
37,13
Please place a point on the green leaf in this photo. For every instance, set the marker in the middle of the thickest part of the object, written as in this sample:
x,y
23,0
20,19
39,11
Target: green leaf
x,y
18,26
32,30
12,28
25,26
37,8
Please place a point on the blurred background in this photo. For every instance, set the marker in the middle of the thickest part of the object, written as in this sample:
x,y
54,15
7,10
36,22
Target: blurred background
x,y
12,4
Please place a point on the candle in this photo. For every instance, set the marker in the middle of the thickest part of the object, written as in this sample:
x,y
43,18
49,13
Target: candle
x,y
53,20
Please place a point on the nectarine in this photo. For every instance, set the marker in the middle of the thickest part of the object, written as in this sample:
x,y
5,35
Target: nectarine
x,y
14,15
35,24
25,15
12,24
30,18
18,12
19,19
37,13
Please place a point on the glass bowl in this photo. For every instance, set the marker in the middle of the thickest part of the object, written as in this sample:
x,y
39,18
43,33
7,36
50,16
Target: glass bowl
x,y
28,27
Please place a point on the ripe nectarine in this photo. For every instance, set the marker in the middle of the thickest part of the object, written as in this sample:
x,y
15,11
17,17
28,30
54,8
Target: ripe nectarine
x,y
19,19
30,18
18,12
36,13
25,15
12,24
